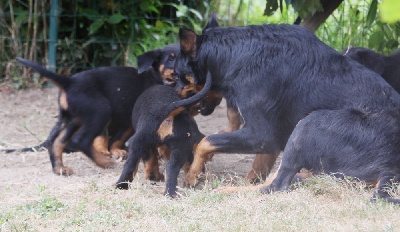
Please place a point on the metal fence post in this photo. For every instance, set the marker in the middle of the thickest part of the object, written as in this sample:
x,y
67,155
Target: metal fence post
x,y
53,35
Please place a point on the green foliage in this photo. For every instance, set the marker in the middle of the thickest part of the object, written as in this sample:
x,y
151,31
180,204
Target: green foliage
x,y
302,7
372,12
390,11
305,7
93,33
356,23
90,34
115,33
44,207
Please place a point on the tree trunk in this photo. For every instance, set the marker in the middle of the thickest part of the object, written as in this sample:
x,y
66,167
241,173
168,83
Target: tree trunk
x,y
312,22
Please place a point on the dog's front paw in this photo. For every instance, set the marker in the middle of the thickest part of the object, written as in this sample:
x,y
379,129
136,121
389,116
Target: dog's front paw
x,y
118,154
103,161
157,177
267,190
191,180
253,178
63,170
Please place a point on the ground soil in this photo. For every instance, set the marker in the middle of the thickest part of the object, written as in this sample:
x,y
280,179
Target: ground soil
x,y
26,118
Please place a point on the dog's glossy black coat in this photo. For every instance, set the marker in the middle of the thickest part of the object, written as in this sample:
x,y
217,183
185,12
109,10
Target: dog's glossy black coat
x,y
275,75
346,142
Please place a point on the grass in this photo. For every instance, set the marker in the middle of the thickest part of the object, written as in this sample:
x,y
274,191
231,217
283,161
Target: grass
x,y
321,204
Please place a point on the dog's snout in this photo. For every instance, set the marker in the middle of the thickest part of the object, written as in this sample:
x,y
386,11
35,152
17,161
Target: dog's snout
x,y
178,86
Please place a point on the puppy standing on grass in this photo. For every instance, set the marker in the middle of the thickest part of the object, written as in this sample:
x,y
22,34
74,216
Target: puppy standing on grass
x,y
98,101
276,75
159,119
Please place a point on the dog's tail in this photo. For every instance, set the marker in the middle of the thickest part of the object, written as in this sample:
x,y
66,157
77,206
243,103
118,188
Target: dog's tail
x,y
195,98
40,147
59,80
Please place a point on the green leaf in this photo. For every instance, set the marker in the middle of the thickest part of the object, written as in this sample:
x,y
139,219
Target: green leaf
x,y
90,13
372,12
181,11
376,39
159,24
95,26
392,44
389,10
196,13
115,18
147,7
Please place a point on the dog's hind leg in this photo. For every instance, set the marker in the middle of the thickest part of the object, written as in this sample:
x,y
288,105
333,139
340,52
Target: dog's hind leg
x,y
383,185
151,168
95,114
174,165
100,143
234,120
57,144
138,150
262,166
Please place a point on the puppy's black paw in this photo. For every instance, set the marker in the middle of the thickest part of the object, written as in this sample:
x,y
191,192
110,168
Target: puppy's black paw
x,y
122,185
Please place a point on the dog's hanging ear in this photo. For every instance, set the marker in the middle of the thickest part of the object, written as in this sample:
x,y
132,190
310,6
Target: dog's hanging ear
x,y
212,22
368,58
147,60
188,40
374,61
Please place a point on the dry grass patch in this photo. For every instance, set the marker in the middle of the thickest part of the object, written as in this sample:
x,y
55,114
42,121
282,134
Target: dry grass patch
x,y
321,204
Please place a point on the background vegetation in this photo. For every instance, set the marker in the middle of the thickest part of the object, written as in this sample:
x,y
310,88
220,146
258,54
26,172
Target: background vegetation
x,y
99,33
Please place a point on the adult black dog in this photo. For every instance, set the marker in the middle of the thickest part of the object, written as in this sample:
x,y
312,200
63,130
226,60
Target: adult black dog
x,y
275,75
386,66
100,100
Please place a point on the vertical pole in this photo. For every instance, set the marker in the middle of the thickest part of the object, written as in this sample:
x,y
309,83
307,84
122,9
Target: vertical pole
x,y
53,35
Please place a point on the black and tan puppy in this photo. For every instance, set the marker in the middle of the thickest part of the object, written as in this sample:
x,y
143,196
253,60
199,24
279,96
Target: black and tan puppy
x,y
275,75
159,119
386,66
97,101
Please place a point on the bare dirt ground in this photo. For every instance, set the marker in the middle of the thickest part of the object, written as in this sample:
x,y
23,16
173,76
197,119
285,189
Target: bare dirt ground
x,y
26,118
32,198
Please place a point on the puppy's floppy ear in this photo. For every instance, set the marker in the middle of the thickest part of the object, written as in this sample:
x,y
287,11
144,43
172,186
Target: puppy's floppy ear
x,y
188,40
368,58
148,59
212,22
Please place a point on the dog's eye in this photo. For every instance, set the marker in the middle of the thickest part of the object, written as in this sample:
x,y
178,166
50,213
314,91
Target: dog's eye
x,y
171,58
